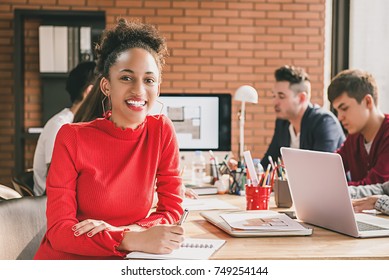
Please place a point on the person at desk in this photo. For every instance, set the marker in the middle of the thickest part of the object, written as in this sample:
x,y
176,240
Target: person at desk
x,y
370,197
101,181
299,123
78,85
365,153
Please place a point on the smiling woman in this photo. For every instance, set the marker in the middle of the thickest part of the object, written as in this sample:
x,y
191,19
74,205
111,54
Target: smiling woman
x,y
132,87
103,174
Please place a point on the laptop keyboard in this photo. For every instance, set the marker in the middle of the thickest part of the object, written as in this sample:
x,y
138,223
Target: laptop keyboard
x,y
366,227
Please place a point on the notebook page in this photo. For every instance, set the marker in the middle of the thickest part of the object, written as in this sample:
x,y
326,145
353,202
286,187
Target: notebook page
x,y
191,249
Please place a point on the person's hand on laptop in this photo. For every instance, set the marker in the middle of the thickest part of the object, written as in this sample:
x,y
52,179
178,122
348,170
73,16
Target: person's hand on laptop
x,y
365,203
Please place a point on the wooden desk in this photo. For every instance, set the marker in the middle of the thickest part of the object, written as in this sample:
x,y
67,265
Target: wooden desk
x,y
322,244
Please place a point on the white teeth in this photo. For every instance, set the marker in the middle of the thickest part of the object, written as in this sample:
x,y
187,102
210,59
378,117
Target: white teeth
x,y
136,103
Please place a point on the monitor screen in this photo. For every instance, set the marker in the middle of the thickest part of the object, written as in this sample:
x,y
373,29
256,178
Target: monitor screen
x,y
201,121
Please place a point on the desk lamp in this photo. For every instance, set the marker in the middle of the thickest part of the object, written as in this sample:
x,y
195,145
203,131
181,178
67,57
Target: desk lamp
x,y
244,94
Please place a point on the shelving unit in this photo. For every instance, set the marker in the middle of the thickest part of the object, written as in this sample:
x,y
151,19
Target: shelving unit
x,y
94,19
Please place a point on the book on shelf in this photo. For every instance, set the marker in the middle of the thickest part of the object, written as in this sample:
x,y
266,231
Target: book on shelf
x,y
61,48
46,48
190,249
85,44
35,129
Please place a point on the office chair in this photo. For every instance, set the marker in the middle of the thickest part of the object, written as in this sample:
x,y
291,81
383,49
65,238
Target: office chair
x,y
23,225
8,193
24,183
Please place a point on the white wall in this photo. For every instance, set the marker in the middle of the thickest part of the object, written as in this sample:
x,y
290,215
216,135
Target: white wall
x,y
369,43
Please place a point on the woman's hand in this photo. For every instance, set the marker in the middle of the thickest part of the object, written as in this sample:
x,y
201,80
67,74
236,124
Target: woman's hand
x,y
366,203
91,227
161,239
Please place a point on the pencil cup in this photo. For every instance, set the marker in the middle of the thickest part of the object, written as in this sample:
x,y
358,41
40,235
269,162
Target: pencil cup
x,y
282,195
257,198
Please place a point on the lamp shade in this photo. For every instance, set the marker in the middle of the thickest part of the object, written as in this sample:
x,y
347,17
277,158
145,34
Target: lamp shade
x,y
246,94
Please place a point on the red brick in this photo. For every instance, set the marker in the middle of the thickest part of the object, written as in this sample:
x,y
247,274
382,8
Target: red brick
x,y
241,6
213,37
142,12
213,21
212,5
280,14
185,4
186,20
170,12
200,13
126,3
198,28
267,7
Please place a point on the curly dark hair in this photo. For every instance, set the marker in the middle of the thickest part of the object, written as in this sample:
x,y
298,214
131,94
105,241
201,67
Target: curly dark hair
x,y
126,35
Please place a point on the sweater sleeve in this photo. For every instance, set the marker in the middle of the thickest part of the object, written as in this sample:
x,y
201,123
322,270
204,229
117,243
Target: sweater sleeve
x,y
382,204
367,190
62,204
169,182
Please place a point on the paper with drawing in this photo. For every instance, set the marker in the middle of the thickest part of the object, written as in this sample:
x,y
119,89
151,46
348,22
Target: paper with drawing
x,y
261,220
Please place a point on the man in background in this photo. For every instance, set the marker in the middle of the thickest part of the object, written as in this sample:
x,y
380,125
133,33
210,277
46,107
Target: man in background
x,y
299,123
78,85
365,153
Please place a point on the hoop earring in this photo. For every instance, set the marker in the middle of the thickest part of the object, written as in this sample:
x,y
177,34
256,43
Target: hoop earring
x,y
106,114
160,111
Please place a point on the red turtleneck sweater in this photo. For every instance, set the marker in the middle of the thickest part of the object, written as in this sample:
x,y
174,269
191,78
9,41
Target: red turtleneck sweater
x,y
99,171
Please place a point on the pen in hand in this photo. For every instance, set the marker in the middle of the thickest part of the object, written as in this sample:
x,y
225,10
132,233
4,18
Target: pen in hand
x,y
183,217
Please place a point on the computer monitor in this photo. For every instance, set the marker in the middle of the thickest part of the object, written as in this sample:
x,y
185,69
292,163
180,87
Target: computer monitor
x,y
201,121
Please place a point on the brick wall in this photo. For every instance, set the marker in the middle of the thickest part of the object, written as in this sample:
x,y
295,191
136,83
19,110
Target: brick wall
x,y
215,46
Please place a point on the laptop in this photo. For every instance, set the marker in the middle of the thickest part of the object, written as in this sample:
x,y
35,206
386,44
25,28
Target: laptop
x,y
320,194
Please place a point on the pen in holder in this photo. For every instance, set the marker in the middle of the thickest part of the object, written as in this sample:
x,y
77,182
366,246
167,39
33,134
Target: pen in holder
x,y
237,178
257,197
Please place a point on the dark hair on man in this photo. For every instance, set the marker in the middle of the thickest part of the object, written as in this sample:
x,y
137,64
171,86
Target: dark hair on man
x,y
126,35
355,83
296,76
79,79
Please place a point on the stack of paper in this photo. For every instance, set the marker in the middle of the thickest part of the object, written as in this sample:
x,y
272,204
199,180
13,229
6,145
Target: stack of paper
x,y
255,223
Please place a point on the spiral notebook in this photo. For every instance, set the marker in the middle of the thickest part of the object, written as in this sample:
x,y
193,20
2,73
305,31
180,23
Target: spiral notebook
x,y
191,249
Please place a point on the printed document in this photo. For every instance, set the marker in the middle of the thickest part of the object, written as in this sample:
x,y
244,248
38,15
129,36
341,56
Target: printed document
x,y
261,221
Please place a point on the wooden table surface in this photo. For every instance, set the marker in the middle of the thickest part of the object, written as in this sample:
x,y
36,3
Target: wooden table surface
x,y
322,244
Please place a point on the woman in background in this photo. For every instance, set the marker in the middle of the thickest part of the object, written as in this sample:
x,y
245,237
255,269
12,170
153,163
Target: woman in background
x,y
103,173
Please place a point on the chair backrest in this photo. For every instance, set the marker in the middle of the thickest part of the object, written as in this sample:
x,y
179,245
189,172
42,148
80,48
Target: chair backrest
x,y
24,183
22,227
8,193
